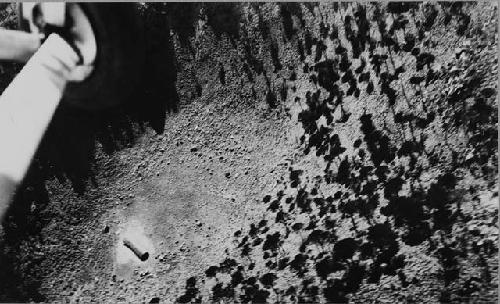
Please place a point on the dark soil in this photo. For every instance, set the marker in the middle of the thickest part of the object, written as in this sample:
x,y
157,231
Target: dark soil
x,y
279,152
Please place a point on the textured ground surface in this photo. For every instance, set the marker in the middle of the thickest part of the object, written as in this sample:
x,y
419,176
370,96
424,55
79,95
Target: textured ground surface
x,y
311,153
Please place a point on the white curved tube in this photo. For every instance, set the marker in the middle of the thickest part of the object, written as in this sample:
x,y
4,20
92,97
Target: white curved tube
x,y
26,108
18,46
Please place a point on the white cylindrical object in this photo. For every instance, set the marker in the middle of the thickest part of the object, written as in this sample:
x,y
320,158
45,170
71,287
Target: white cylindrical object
x,y
18,46
54,13
27,106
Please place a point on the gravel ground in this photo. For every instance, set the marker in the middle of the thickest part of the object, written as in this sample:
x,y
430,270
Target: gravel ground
x,y
278,160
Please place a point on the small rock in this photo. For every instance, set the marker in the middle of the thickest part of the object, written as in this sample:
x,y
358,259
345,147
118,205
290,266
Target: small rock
x,y
469,156
227,174
105,229
154,300
194,148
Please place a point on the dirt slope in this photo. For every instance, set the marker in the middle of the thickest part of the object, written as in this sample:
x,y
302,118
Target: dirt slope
x,y
292,171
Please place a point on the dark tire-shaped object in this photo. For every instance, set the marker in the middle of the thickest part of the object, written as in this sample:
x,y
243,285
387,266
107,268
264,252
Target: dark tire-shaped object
x,y
117,74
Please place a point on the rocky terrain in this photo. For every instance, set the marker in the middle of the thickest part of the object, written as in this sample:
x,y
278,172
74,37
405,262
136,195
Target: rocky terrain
x,y
277,152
